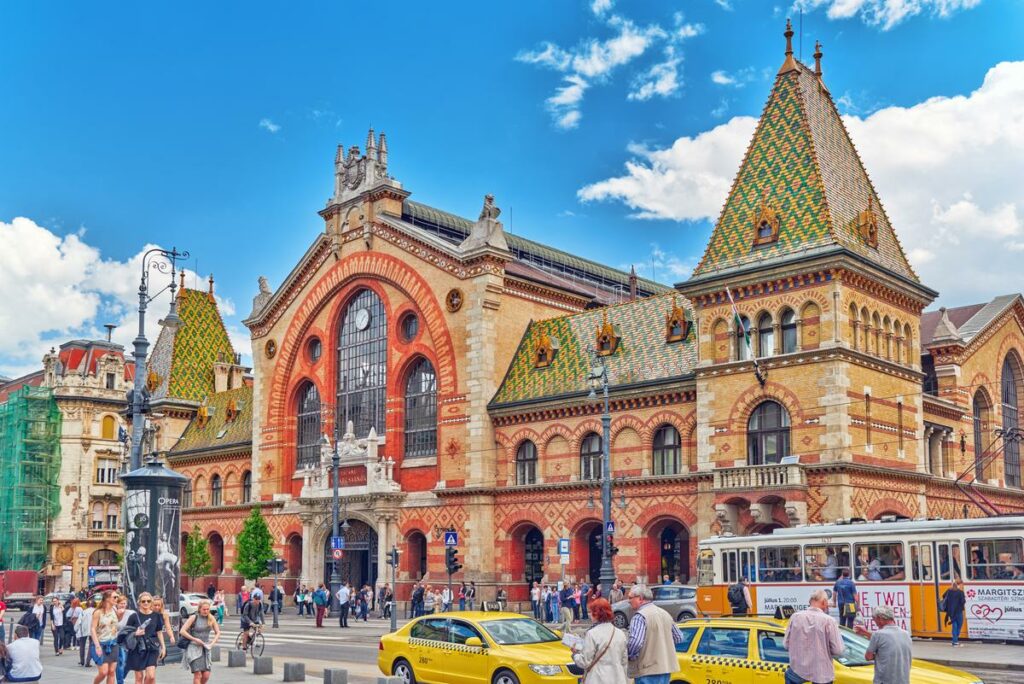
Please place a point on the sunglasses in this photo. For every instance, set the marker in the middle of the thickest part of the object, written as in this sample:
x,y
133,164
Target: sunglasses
x,y
145,601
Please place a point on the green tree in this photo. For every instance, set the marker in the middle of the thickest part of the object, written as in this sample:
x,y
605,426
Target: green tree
x,y
197,556
253,548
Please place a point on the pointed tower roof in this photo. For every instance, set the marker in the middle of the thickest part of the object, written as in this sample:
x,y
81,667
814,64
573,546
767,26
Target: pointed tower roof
x,y
802,172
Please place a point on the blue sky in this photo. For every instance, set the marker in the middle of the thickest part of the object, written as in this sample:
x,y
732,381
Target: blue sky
x,y
212,126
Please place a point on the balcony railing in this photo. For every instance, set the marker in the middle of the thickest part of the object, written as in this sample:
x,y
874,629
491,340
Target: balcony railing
x,y
759,477
105,534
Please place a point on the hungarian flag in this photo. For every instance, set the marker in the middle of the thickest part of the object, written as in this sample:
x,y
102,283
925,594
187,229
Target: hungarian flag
x,y
745,331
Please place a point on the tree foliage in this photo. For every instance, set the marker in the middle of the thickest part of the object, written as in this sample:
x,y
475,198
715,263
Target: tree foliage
x,y
254,547
197,555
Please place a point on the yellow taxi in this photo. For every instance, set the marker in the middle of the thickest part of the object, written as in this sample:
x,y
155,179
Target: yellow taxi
x,y
474,647
731,649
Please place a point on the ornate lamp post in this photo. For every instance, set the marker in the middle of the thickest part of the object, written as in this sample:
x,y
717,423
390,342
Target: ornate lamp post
x,y
335,570
598,380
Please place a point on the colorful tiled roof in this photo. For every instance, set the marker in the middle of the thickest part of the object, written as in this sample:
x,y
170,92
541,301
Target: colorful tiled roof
x,y
642,354
802,159
218,430
183,359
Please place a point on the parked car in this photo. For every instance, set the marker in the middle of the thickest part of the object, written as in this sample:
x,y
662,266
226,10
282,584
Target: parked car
x,y
189,603
680,602
62,596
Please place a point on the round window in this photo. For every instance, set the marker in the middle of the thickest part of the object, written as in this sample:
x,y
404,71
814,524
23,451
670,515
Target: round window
x,y
410,327
314,348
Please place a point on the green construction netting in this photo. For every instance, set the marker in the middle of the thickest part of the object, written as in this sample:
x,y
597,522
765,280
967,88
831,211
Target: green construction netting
x,y
29,471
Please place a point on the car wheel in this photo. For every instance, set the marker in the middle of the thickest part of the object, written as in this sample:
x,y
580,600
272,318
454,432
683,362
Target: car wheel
x,y
620,620
505,677
184,613
685,615
403,670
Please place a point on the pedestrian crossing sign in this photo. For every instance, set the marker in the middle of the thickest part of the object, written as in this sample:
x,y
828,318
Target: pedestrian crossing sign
x,y
451,538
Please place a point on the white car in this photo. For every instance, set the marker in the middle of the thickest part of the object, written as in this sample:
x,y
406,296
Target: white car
x,y
189,603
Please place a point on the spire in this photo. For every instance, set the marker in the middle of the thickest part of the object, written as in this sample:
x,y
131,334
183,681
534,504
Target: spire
x,y
632,283
789,64
817,58
339,156
371,144
382,152
181,275
945,331
211,283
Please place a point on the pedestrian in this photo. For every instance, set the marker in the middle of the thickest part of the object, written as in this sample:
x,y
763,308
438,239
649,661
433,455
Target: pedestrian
x,y
33,618
616,593
343,596
202,632
471,596
241,598
603,652
320,600
103,634
652,639
535,600
218,606
428,601
3,612
367,601
739,597
576,598
417,599
502,598
210,591
23,653
56,617
446,600
82,630
280,599
387,595
71,617
954,604
846,599
123,613
252,614
145,641
584,600
890,649
463,590
566,599
813,640
158,607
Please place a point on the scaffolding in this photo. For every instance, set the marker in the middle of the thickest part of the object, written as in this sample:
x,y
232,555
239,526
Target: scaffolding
x,y
30,428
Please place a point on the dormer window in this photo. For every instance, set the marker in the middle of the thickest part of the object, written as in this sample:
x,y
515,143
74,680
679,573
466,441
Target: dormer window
x,y
607,337
677,327
867,224
766,221
544,350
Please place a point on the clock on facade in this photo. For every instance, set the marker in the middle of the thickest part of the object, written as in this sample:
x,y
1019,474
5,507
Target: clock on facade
x,y
362,319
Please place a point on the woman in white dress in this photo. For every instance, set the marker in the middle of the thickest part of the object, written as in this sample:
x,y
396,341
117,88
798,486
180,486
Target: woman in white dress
x,y
603,653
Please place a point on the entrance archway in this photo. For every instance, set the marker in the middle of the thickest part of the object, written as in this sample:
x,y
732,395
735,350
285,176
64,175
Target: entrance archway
x,y
216,554
294,555
416,550
533,556
359,563
673,553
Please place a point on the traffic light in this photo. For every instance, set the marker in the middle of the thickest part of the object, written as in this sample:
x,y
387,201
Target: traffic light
x,y
276,566
452,560
271,566
612,548
393,556
282,565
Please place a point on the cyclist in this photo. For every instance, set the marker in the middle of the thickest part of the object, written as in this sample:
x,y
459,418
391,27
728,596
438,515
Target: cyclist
x,y
252,615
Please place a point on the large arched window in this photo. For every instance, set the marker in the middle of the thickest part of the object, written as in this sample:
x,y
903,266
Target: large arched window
x,y
788,331
743,350
765,335
421,411
362,366
982,415
216,491
767,434
526,463
1011,451
667,451
186,496
247,486
308,438
590,457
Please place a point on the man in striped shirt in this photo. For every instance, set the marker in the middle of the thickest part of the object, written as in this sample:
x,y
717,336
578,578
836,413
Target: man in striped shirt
x,y
652,639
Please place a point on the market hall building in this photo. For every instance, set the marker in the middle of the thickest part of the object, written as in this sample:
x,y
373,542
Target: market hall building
x,y
448,360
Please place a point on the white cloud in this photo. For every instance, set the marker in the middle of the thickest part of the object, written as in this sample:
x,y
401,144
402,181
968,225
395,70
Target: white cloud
x,y
721,110
947,169
597,58
564,104
736,80
599,7
662,79
268,125
724,4
722,78
549,55
885,13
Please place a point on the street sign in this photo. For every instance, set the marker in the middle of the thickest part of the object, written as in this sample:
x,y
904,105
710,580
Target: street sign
x,y
451,538
337,554
337,542
563,547
564,559
610,527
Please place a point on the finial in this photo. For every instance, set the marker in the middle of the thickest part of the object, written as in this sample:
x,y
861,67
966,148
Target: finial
x,y
182,276
339,156
382,151
370,142
817,58
211,283
789,64
632,283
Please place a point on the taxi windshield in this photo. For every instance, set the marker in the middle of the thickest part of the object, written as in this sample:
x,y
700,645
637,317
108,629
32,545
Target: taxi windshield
x,y
518,631
855,644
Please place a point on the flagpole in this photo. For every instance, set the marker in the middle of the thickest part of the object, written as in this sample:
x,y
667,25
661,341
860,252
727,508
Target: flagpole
x,y
745,329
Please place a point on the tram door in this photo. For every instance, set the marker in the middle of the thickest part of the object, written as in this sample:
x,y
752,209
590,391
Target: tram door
x,y
928,580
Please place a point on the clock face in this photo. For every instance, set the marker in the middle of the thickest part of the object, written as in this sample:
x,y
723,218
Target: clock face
x,y
362,319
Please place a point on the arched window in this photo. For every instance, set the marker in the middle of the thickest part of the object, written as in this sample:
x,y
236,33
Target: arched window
x,y
1011,451
308,437
421,411
981,418
216,491
97,516
113,511
765,336
526,463
767,434
247,486
109,429
362,366
590,457
743,351
667,451
186,496
788,331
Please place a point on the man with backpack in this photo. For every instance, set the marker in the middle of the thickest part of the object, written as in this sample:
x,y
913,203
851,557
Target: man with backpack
x,y
739,598
320,600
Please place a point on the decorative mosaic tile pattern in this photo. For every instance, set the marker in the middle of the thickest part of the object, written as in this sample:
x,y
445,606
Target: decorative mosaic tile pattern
x,y
197,344
803,160
218,430
642,354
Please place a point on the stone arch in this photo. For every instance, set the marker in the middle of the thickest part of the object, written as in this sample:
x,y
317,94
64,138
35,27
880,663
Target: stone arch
x,y
720,341
630,422
908,337
810,326
888,506
854,319
582,430
898,342
749,400
667,548
552,431
887,337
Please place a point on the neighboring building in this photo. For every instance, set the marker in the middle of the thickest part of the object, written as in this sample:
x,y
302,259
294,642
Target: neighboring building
x,y
449,360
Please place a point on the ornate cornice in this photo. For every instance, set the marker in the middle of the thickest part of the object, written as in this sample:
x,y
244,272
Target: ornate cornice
x,y
555,409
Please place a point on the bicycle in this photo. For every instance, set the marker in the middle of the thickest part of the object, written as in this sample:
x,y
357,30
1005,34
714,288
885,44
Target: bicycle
x,y
256,642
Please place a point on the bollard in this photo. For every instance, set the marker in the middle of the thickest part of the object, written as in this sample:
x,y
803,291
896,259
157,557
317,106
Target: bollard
x,y
236,658
215,654
263,665
335,675
295,672
389,680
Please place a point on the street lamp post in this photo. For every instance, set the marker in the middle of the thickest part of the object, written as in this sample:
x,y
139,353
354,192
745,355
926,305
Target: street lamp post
x,y
335,570
598,379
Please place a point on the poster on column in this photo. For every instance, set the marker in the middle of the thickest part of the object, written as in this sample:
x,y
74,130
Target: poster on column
x,y
995,611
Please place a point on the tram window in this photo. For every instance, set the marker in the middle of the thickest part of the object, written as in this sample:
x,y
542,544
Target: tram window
x,y
738,563
949,558
921,562
825,563
879,561
706,568
995,559
780,564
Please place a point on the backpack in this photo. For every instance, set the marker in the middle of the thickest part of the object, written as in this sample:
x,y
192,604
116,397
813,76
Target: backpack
x,y
735,595
319,598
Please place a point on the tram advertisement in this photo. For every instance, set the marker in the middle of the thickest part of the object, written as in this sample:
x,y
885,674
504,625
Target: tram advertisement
x,y
995,611
897,596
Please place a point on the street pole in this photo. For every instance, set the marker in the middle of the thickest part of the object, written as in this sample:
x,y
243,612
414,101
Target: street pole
x,y
335,570
394,588
607,570
277,594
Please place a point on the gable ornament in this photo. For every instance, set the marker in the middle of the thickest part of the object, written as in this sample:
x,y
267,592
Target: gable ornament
x,y
607,337
767,221
867,223
677,326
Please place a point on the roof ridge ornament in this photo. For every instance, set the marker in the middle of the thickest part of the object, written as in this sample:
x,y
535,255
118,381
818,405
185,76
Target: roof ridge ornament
x,y
867,223
789,64
488,232
817,58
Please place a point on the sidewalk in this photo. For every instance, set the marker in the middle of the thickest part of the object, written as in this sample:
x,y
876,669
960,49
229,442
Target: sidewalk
x,y
973,655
